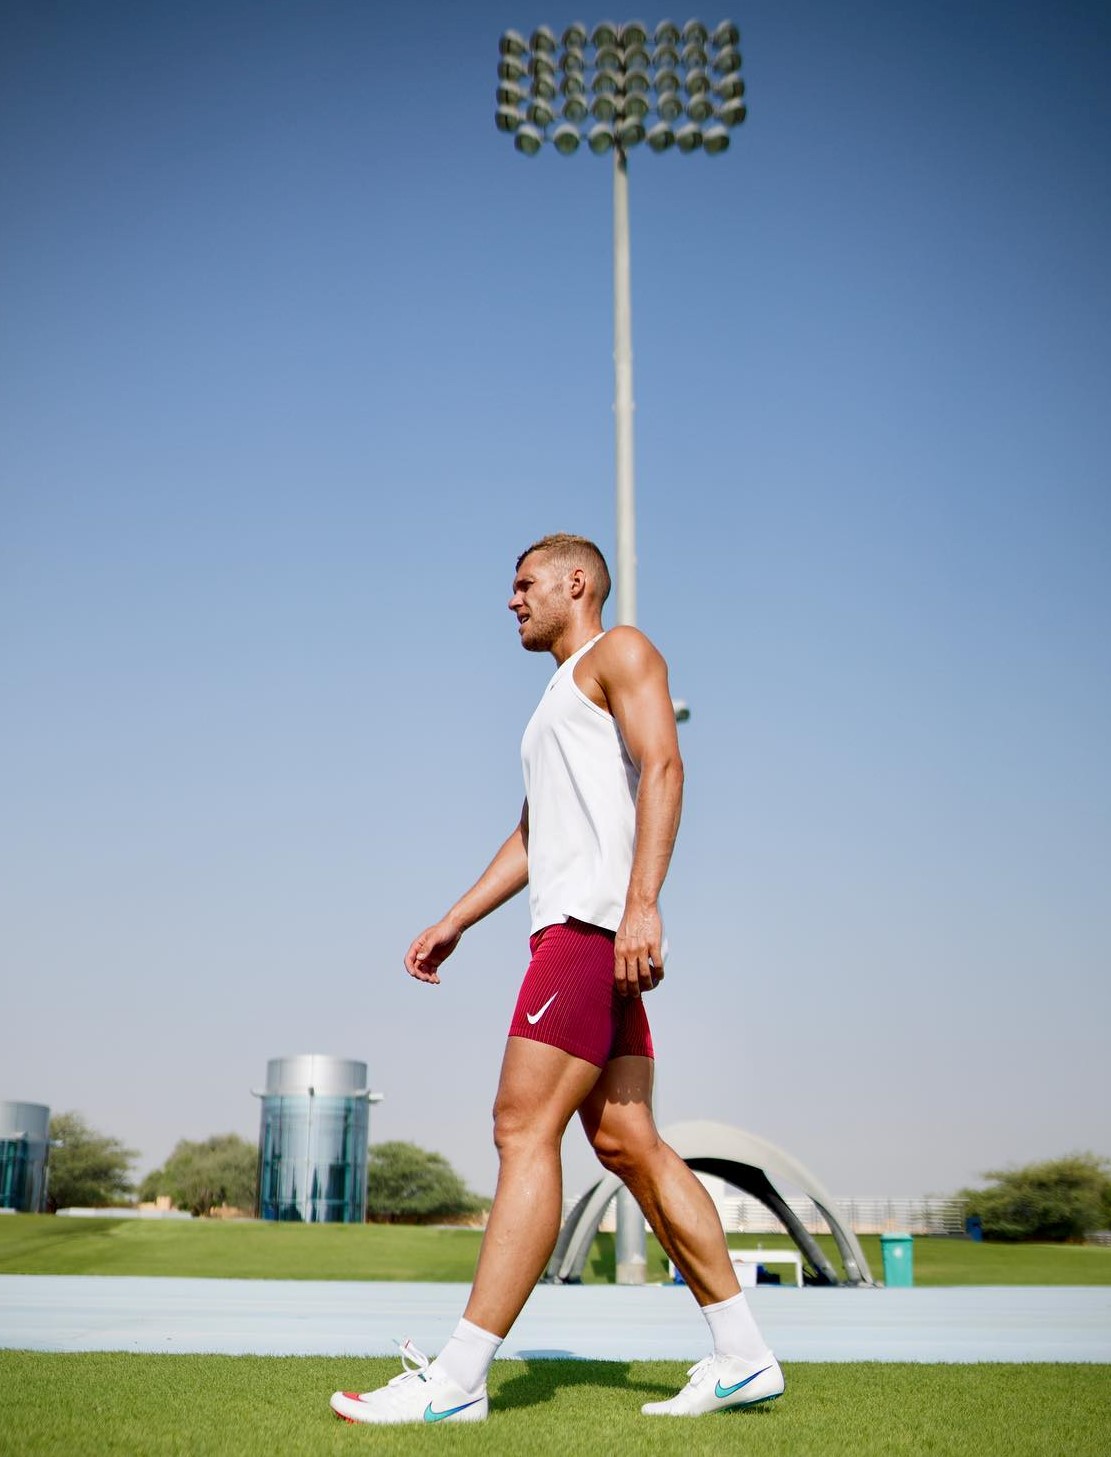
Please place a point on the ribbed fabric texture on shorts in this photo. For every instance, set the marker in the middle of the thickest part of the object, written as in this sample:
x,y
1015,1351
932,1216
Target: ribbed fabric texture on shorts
x,y
568,998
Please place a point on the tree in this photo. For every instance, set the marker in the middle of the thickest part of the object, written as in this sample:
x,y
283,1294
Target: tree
x,y
86,1169
1063,1199
202,1176
409,1184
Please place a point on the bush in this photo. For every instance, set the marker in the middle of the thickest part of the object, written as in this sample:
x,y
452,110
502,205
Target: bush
x,y
86,1170
1060,1200
406,1184
202,1176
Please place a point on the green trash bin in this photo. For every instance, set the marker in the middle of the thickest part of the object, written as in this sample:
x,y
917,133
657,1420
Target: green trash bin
x,y
898,1259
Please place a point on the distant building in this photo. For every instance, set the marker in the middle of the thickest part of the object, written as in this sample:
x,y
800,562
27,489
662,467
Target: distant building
x,y
313,1137
24,1147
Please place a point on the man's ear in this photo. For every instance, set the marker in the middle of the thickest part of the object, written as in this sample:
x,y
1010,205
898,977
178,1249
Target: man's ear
x,y
578,582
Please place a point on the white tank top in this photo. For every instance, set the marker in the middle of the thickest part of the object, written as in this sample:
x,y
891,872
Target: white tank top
x,y
581,788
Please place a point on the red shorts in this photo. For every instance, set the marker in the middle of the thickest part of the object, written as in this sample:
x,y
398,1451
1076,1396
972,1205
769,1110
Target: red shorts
x,y
568,997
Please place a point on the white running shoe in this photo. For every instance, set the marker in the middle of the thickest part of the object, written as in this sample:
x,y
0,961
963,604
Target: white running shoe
x,y
422,1393
722,1383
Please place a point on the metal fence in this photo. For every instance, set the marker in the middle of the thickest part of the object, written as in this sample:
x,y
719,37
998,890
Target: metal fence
x,y
863,1214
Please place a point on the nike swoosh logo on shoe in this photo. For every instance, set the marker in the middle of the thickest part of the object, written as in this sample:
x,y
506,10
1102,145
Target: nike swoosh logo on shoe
x,y
721,1392
439,1416
533,1017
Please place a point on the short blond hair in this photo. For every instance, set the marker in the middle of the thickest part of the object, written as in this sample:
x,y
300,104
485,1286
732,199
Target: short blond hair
x,y
571,551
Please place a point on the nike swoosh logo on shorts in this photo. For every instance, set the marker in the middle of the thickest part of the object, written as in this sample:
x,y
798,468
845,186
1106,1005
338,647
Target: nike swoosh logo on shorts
x,y
534,1017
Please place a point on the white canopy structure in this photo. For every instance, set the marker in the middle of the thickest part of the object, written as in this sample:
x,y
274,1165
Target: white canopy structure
x,y
749,1163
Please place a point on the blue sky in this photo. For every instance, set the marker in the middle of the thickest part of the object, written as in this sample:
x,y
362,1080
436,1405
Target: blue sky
x,y
297,353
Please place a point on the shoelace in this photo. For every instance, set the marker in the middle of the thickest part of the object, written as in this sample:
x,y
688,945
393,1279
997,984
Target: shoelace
x,y
700,1370
415,1362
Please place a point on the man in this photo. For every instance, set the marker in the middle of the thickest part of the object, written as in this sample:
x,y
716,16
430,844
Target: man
x,y
603,786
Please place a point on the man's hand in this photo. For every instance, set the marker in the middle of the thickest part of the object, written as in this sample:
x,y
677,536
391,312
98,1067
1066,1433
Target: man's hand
x,y
430,950
638,963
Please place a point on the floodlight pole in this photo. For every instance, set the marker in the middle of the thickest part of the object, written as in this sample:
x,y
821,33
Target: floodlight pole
x,y
631,1241
528,118
623,396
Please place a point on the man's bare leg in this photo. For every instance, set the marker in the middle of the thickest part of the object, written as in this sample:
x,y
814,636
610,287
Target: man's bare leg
x,y
617,1117
541,1087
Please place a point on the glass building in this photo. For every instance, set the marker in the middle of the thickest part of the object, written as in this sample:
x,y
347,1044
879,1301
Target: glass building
x,y
313,1136
24,1147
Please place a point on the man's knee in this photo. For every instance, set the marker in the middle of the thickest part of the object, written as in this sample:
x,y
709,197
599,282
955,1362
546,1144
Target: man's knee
x,y
517,1126
624,1151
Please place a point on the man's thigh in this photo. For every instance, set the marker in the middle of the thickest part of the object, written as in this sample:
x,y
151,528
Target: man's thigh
x,y
541,1087
617,1112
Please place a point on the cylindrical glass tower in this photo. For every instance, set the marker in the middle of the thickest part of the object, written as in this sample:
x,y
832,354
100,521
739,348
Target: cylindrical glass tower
x,y
24,1146
313,1137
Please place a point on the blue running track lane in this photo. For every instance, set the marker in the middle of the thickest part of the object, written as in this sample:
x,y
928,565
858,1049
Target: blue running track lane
x,y
618,1323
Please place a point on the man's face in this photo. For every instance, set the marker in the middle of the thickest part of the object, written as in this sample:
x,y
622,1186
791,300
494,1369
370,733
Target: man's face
x,y
540,602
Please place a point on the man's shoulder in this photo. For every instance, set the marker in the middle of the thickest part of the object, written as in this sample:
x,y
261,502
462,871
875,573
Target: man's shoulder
x,y
623,649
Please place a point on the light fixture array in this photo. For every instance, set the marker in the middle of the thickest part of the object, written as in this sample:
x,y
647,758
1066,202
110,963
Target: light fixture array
x,y
620,85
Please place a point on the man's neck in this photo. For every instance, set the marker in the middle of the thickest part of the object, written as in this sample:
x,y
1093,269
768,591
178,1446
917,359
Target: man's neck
x,y
574,639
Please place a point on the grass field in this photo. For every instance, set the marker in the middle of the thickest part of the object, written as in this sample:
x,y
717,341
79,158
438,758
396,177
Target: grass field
x,y
44,1245
240,1406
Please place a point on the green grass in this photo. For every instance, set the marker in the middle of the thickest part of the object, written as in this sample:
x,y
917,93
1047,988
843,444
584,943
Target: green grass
x,y
939,1261
241,1406
240,1249
44,1245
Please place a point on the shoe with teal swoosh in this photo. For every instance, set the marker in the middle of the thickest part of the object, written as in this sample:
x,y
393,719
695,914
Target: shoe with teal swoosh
x,y
422,1393
722,1383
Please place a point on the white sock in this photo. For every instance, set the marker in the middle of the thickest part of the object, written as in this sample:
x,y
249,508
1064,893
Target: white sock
x,y
733,1329
466,1357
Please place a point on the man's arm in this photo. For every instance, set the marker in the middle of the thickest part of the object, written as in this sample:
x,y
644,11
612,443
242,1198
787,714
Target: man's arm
x,y
633,677
505,875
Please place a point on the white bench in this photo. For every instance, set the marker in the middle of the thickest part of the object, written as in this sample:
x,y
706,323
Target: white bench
x,y
745,1262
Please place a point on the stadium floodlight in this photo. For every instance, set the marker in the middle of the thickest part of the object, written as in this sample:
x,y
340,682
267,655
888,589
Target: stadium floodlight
x,y
528,140
715,139
566,139
688,138
670,107
601,139
660,137
630,131
669,88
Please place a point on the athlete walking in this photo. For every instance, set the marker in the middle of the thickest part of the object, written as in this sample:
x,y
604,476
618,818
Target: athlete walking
x,y
603,791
